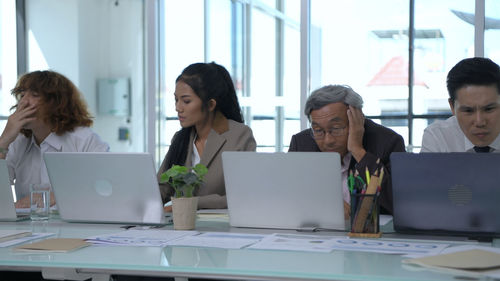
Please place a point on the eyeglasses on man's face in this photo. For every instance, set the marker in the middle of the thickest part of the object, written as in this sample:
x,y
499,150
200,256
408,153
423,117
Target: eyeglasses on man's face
x,y
320,133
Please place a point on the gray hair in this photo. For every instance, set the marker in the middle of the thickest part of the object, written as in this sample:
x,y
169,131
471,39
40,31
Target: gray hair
x,y
332,94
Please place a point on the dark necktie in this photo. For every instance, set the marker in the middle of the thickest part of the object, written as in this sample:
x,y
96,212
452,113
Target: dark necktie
x,y
481,149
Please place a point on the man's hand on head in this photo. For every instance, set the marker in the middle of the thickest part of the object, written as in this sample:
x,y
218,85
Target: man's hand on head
x,y
356,132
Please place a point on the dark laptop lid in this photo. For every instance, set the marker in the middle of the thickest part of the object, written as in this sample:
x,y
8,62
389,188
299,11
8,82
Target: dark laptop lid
x,y
446,193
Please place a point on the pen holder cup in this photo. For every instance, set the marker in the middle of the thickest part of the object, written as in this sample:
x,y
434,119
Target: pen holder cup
x,y
365,215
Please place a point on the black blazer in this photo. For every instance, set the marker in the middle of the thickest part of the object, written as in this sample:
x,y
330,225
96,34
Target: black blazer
x,y
378,141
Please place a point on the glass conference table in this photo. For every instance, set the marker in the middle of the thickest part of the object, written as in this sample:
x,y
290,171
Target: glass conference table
x,y
99,262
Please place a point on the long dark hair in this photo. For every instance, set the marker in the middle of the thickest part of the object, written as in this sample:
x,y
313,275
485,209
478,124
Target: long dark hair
x,y
208,81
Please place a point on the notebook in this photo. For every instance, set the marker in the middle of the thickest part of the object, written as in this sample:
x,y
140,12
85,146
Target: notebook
x,y
7,208
105,187
446,193
295,190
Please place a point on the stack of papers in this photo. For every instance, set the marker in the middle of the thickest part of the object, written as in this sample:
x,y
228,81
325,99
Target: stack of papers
x,y
54,245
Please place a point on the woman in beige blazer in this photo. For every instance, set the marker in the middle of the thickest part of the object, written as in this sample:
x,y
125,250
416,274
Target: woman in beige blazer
x,y
211,121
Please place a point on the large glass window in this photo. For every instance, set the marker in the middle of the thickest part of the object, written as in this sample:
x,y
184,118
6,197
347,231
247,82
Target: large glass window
x,y
8,61
182,25
443,37
492,30
259,45
365,45
99,46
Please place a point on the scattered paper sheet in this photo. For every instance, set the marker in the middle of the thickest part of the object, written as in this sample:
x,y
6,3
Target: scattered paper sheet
x,y
462,258
225,240
24,239
413,249
468,260
138,237
54,245
295,242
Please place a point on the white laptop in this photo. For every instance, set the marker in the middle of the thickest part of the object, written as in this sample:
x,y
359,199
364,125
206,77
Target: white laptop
x,y
7,208
105,187
295,190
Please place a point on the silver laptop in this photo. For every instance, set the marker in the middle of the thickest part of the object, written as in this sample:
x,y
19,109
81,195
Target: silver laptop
x,y
7,208
105,187
446,193
295,190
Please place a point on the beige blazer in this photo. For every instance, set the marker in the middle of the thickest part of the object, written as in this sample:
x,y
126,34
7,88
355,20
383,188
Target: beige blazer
x,y
234,137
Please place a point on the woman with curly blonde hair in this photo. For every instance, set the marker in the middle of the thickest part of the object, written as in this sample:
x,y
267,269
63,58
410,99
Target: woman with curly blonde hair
x,y
50,116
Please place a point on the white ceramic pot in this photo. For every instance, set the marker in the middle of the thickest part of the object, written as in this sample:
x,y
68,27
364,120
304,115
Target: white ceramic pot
x,y
184,212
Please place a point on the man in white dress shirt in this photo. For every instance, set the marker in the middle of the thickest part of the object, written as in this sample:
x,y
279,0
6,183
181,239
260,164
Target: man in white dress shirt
x,y
50,115
474,88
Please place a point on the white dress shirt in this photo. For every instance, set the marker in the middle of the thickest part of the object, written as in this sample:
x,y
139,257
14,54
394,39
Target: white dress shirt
x,y
195,158
446,136
25,161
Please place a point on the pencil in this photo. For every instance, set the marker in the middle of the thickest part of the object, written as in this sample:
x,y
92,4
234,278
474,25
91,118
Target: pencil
x,y
381,177
367,174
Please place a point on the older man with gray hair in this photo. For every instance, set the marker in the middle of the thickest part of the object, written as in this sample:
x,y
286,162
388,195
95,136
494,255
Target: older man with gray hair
x,y
338,125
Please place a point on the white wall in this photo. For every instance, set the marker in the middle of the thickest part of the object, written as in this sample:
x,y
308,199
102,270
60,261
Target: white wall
x,y
91,39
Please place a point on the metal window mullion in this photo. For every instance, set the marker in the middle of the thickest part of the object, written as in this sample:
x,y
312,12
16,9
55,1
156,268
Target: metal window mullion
x,y
151,77
247,41
21,36
305,72
206,31
411,41
280,115
479,20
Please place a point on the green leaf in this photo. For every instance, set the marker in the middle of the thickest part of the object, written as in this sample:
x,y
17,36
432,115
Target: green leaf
x,y
184,180
200,170
190,179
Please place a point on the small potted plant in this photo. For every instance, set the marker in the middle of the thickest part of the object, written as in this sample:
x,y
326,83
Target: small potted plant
x,y
184,205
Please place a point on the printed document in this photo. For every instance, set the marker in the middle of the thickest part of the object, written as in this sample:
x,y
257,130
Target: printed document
x,y
224,240
139,237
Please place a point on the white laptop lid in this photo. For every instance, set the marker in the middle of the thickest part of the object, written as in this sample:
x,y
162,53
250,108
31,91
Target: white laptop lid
x,y
7,208
294,190
105,187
